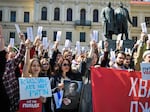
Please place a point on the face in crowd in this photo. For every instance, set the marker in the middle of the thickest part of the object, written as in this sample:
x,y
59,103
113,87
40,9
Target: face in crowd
x,y
45,64
66,65
147,58
35,67
120,58
127,59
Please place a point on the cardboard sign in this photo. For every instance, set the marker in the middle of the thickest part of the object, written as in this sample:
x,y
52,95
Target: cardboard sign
x,y
30,33
17,28
31,88
145,70
144,28
119,91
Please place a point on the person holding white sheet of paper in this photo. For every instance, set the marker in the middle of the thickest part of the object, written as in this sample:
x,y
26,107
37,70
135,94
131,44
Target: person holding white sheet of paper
x,y
32,68
9,90
140,50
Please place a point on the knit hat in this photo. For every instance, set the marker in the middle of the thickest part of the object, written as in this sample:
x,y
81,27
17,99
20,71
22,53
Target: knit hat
x,y
146,53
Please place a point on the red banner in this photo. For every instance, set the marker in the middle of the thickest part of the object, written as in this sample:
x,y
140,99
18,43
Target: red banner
x,y
119,91
33,105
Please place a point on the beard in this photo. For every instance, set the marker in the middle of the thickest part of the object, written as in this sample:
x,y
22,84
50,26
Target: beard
x,y
119,64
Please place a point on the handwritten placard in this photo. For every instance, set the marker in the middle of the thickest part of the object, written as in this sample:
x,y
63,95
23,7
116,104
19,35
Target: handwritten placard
x,y
145,70
31,88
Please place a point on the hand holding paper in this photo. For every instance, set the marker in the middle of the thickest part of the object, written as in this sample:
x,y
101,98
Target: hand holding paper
x,y
17,28
58,36
30,33
144,28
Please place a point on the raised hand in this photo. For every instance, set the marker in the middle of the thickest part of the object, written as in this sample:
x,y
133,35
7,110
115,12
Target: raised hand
x,y
22,37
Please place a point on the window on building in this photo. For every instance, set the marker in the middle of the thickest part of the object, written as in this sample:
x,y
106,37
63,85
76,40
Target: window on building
x,y
69,14
147,20
26,17
69,35
1,15
82,16
82,36
44,13
95,15
13,16
44,34
56,14
12,35
54,35
134,19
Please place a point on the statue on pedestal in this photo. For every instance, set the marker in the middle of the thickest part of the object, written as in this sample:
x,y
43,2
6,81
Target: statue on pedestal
x,y
122,18
115,21
108,21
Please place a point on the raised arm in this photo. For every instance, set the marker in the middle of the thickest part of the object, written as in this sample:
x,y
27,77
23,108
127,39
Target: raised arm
x,y
25,72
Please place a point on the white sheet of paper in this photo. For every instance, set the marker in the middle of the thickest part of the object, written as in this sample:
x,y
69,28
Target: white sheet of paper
x,y
67,43
58,99
144,28
78,47
17,28
39,31
100,44
95,35
121,43
112,55
45,42
103,37
12,42
148,36
58,36
119,36
30,33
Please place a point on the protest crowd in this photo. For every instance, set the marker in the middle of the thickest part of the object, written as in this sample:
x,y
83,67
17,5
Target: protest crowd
x,y
33,59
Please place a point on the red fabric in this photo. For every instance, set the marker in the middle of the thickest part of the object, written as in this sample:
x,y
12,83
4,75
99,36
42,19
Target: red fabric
x,y
110,90
33,105
32,52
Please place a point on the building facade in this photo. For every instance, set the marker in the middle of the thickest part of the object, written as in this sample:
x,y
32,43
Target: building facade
x,y
75,18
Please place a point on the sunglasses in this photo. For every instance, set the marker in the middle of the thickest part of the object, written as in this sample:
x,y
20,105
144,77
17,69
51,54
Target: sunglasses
x,y
45,64
66,64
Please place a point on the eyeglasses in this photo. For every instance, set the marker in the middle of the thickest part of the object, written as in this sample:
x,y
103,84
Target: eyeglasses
x,y
65,64
45,64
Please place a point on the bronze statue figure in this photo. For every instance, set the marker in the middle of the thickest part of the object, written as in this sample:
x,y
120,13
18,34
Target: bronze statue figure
x,y
122,18
108,19
115,21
